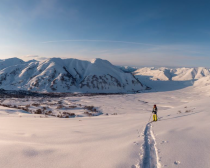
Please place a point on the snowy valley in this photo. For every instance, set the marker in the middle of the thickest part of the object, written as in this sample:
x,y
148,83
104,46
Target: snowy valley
x,y
59,130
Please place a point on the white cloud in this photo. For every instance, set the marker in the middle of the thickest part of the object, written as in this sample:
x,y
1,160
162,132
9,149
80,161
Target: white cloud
x,y
32,56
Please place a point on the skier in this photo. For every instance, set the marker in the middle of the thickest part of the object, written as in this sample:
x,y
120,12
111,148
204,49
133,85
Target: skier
x,y
154,111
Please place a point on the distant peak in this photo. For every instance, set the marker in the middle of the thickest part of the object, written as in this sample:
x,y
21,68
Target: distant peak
x,y
13,59
96,60
99,61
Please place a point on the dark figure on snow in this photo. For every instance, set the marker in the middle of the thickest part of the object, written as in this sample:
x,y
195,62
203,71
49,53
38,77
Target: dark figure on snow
x,y
154,111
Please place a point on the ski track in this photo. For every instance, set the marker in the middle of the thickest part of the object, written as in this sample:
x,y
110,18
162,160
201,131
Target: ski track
x,y
149,157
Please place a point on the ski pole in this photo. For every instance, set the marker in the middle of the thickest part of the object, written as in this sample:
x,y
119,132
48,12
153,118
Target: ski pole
x,y
150,117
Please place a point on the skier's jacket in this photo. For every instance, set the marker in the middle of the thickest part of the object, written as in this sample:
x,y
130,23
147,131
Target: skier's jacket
x,y
154,111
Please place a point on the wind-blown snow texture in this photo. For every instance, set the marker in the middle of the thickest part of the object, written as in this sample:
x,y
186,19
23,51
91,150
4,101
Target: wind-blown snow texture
x,y
67,75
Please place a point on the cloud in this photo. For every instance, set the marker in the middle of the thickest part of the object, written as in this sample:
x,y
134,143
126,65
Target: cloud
x,y
35,57
32,56
42,58
103,41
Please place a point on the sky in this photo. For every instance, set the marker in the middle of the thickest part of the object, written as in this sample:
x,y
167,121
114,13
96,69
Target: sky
x,y
172,33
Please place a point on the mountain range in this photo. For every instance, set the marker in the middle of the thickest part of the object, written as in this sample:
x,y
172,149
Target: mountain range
x,y
96,76
178,74
66,75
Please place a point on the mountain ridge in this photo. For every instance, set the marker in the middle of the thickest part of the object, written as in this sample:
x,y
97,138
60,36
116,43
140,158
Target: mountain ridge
x,y
178,74
69,75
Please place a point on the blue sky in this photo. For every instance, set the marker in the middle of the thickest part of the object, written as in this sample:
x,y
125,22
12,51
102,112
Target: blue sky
x,y
125,32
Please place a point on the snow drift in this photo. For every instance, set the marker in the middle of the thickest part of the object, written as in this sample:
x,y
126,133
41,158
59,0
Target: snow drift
x,y
68,75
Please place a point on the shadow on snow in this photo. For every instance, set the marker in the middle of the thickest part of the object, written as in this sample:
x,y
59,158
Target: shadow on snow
x,y
164,86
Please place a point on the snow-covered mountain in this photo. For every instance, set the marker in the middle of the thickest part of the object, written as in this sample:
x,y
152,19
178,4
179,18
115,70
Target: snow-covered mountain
x,y
155,73
179,74
190,73
10,62
97,76
69,75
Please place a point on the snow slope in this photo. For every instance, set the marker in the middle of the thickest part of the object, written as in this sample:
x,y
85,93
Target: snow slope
x,y
179,74
179,139
183,135
202,85
69,75
155,74
190,73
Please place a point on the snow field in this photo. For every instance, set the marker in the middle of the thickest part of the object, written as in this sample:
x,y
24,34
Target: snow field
x,y
183,136
52,142
180,138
